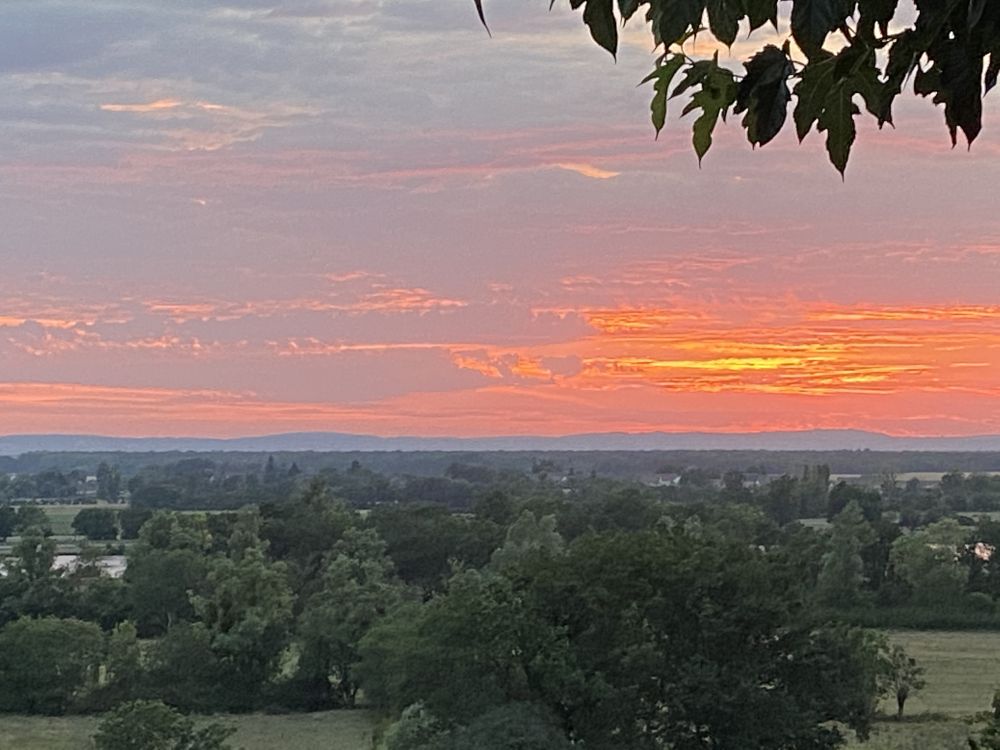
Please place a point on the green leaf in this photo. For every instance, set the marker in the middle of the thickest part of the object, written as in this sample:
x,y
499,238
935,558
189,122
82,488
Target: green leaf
x,y
813,20
724,20
695,75
810,93
825,95
763,94
672,19
904,54
960,90
837,120
599,16
876,13
927,82
876,94
662,78
627,8
760,12
717,94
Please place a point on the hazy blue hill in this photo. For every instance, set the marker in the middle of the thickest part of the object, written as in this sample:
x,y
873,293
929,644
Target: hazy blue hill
x,y
819,440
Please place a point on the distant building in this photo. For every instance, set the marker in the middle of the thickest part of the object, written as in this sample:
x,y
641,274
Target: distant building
x,y
664,480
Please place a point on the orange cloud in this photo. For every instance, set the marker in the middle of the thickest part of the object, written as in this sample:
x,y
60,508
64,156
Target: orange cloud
x,y
588,170
156,106
404,300
929,314
697,365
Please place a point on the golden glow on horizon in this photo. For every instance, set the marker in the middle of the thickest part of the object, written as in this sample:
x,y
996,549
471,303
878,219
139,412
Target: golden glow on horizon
x,y
626,368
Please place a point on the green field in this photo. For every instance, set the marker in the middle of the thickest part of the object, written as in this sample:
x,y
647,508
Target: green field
x,y
61,517
943,734
331,730
963,670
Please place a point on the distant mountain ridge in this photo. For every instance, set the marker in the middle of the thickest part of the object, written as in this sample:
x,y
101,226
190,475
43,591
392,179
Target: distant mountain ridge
x,y
825,440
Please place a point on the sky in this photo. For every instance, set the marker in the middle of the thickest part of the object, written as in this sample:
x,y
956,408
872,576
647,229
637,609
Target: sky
x,y
235,217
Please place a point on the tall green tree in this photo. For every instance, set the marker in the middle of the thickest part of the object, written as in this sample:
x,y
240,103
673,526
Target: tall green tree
x,y
8,521
931,563
246,605
167,563
841,573
301,531
359,587
34,555
47,663
901,676
109,482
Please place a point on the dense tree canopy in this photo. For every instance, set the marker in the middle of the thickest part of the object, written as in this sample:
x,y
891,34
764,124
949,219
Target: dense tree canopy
x,y
830,55
642,640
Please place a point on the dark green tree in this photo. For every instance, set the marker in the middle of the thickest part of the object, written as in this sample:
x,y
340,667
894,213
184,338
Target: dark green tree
x,y
900,676
97,524
780,502
109,483
841,573
164,566
930,562
359,587
34,555
632,640
131,520
32,516
47,663
301,531
182,669
152,725
246,605
8,521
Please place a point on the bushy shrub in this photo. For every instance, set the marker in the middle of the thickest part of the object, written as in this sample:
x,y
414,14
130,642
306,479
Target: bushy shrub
x,y
152,725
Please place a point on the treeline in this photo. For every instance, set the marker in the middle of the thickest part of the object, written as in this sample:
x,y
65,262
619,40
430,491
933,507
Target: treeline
x,y
612,464
200,484
51,483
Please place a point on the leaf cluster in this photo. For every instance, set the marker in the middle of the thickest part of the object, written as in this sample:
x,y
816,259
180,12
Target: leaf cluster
x,y
837,56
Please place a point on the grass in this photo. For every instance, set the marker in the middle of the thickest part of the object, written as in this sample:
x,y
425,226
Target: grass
x,y
937,734
329,730
962,670
61,517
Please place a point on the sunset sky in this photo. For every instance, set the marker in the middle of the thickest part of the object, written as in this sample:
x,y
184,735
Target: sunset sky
x,y
232,217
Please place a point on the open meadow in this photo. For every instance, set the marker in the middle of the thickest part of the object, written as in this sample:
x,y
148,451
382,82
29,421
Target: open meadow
x,y
933,734
61,517
962,672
